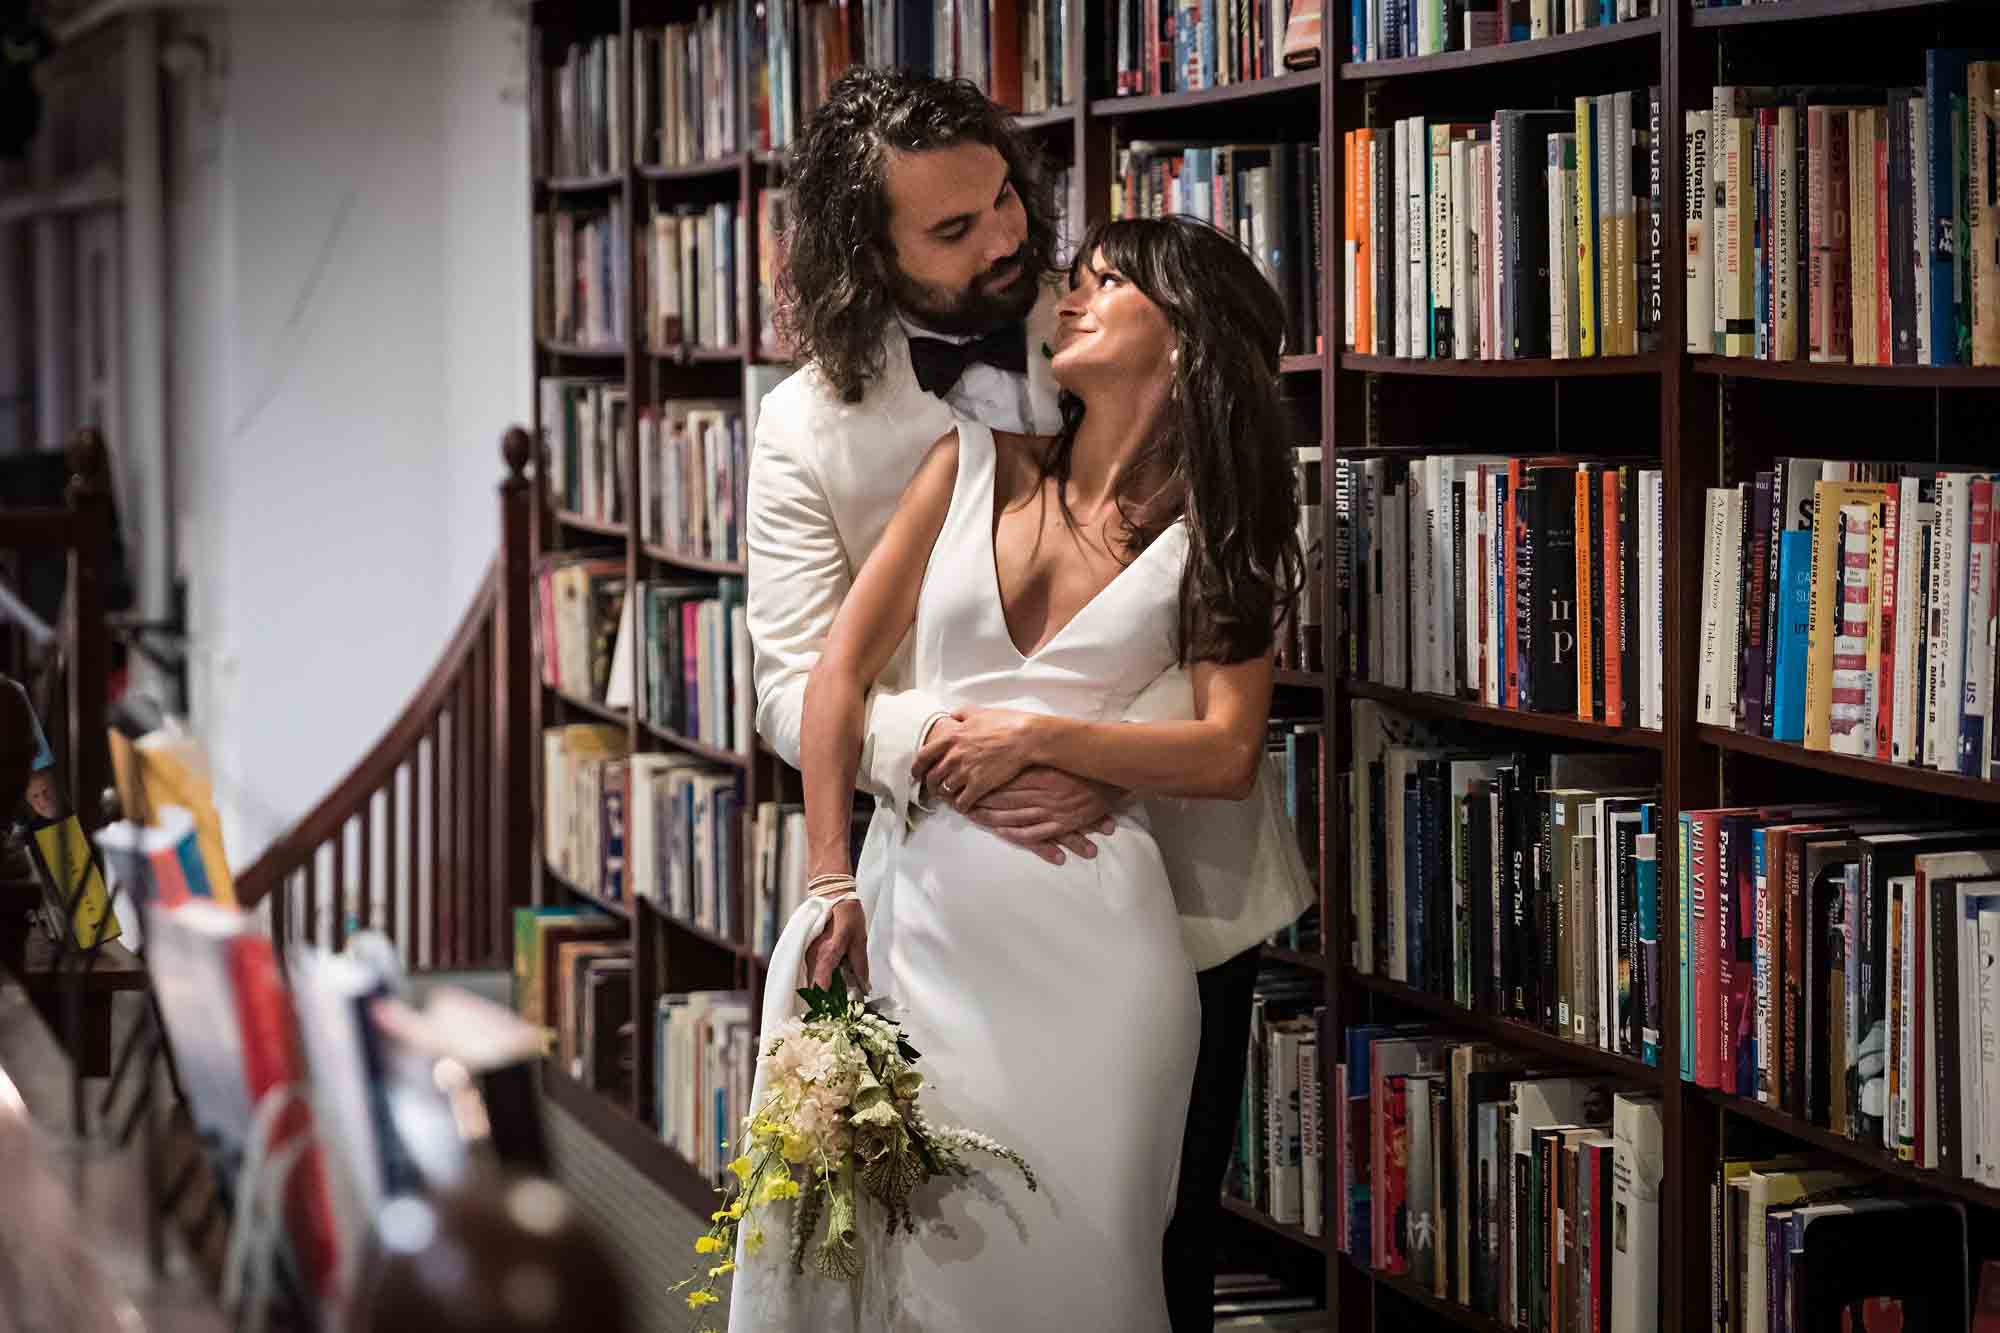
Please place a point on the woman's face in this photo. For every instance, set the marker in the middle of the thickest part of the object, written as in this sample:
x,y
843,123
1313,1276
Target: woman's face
x,y
1109,332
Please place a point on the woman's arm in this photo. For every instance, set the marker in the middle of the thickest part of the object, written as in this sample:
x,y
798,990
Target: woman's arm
x,y
873,619
1212,757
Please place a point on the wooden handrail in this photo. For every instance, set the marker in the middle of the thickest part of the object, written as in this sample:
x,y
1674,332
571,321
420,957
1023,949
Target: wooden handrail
x,y
470,721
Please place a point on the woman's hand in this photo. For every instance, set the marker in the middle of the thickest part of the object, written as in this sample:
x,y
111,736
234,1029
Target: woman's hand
x,y
977,750
845,939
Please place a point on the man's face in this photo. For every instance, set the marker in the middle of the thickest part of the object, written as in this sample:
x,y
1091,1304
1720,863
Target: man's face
x,y
956,234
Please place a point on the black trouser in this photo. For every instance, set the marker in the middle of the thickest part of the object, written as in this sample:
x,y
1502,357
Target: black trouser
x,y
1211,1132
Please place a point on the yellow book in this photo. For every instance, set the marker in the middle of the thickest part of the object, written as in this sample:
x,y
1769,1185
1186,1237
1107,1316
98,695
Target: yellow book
x,y
1586,230
1823,604
66,859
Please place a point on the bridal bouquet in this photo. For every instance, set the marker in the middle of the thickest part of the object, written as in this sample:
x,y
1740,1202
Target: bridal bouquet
x,y
839,1111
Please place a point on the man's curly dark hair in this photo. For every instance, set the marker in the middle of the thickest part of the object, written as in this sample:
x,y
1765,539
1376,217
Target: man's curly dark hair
x,y
835,295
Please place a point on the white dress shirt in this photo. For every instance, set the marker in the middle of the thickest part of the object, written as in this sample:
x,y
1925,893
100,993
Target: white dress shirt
x,y
994,397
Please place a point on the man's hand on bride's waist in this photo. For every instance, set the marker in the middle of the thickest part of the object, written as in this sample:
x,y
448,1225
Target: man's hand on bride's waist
x,y
981,761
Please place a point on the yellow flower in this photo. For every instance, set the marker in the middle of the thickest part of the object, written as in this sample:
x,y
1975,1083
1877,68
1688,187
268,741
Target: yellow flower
x,y
725,1266
736,1209
708,1245
784,1187
741,1166
797,1148
754,1241
697,1299
718,1215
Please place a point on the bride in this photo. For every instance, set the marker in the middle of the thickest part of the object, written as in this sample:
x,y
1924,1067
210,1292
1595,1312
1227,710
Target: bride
x,y
1048,581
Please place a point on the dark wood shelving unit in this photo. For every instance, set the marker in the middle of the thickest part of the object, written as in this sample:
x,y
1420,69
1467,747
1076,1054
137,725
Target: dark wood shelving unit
x,y
602,712
576,522
1799,11
726,165
577,890
694,563
696,353
1296,1235
1908,777
1840,372
1875,1158
1281,85
702,933
1295,957
714,754
582,184
1054,118
1511,719
638,1144
1524,368
1506,1031
1507,53
580,351
1451,1311
1673,404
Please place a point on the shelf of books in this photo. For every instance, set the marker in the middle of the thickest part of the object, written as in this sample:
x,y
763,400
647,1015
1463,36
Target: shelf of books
x,y
1838,845
1638,722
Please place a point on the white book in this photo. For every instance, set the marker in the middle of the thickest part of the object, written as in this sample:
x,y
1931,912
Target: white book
x,y
1927,1091
1496,228
1900,1125
1989,1040
1974,896
1710,707
1730,604
1659,624
1637,1170
1376,296
1700,245
1281,1092
1399,211
1975,695
1464,324
1416,182
1312,1131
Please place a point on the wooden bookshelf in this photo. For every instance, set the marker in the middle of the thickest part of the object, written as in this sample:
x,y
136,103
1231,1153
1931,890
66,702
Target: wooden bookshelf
x,y
1802,11
638,1144
1819,372
1511,719
576,522
1505,1031
1296,1235
1905,777
1282,85
1507,53
693,931
693,563
1524,368
1676,407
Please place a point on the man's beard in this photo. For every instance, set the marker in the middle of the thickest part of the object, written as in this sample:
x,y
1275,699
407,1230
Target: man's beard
x,y
975,310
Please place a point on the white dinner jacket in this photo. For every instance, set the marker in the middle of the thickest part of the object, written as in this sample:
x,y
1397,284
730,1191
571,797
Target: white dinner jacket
x,y
825,477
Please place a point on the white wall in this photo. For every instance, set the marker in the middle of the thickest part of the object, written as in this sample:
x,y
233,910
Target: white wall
x,y
350,335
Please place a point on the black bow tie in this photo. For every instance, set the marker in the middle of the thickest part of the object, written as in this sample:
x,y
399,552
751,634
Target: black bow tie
x,y
939,363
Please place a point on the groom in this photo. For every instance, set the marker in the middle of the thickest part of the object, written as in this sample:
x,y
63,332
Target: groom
x,y
920,284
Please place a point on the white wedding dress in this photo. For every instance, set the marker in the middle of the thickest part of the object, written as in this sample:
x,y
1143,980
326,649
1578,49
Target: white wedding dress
x,y
1054,1006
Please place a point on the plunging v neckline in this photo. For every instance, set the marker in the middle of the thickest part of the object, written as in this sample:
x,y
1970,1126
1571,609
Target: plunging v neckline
x,y
993,567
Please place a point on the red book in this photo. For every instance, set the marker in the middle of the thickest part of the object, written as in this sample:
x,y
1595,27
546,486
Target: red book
x,y
1885,665
272,1059
1704,898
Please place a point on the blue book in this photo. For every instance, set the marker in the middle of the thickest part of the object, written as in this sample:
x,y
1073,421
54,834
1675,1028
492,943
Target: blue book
x,y
1944,80
1788,721
1647,876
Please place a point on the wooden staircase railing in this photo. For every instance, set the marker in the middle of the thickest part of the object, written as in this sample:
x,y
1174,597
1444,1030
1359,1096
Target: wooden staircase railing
x,y
429,836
